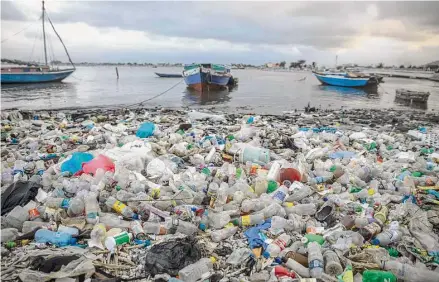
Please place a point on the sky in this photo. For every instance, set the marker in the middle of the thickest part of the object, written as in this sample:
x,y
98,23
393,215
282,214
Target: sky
x,y
253,32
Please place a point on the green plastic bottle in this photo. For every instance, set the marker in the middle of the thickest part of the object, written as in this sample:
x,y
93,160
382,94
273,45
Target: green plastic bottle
x,y
378,276
417,174
308,238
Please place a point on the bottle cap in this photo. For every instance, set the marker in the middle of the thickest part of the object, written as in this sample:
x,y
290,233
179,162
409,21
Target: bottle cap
x,y
304,240
136,216
202,226
266,254
375,241
213,259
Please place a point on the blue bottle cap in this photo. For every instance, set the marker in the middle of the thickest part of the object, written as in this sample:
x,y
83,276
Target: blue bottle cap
x,y
194,209
202,226
278,260
266,254
375,241
135,216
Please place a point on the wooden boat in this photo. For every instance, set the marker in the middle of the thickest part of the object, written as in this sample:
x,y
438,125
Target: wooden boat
x,y
412,96
37,74
205,77
169,75
347,79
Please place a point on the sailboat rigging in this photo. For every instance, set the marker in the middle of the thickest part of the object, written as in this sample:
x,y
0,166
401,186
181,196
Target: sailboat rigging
x,y
38,74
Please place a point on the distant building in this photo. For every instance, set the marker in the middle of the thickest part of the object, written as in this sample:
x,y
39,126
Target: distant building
x,y
434,66
272,65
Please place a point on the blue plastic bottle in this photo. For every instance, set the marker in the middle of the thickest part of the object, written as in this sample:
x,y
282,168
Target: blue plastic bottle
x,y
59,239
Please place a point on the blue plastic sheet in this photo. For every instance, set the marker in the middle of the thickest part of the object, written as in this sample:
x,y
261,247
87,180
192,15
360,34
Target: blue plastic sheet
x,y
254,237
75,163
145,130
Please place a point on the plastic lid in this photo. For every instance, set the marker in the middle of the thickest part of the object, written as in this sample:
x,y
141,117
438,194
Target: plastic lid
x,y
375,241
266,254
304,240
202,226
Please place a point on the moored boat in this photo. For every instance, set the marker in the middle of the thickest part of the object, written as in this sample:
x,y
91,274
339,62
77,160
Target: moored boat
x,y
347,79
169,75
37,74
205,77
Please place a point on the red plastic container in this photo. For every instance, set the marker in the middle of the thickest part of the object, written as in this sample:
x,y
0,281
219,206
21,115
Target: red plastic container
x,y
290,174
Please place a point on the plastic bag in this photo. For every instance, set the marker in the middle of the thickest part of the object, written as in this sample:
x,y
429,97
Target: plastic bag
x,y
100,161
74,164
146,130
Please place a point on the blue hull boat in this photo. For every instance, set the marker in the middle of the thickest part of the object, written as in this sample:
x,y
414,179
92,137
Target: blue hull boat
x,y
206,77
342,80
34,76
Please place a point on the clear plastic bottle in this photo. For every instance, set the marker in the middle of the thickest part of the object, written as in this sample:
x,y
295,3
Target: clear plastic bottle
x,y
387,237
272,210
300,194
57,203
218,220
29,226
222,195
370,230
56,238
332,263
19,167
221,234
315,260
278,222
154,228
193,272
297,267
120,207
261,185
321,179
91,208
249,205
280,194
174,225
273,173
249,220
278,245
410,273
302,209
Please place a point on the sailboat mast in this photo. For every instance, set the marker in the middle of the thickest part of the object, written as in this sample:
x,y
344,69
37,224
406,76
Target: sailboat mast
x,y
44,37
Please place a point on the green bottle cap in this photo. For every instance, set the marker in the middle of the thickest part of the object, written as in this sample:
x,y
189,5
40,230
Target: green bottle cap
x,y
272,186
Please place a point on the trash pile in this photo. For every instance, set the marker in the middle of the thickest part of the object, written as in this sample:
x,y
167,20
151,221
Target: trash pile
x,y
169,195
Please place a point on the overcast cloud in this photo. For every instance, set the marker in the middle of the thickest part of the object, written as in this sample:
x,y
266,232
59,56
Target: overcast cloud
x,y
226,32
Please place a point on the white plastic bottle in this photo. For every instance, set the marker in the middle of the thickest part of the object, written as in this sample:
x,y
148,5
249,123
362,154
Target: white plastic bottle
x,y
410,273
220,235
153,228
280,194
273,173
315,260
91,208
193,272
278,245
297,267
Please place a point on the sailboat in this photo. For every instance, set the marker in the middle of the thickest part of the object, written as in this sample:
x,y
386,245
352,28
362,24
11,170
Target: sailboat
x,y
37,74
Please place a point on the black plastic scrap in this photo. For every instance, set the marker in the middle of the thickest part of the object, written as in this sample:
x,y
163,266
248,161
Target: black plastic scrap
x,y
18,194
171,256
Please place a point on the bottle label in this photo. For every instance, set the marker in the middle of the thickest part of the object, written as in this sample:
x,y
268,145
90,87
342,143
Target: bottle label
x,y
281,243
119,206
122,238
245,220
279,195
315,264
92,215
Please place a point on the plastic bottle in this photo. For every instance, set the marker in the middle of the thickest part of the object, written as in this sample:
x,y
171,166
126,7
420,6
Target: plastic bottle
x,y
153,228
261,185
332,263
195,271
273,173
145,207
278,245
309,238
278,222
320,179
370,230
410,273
8,234
218,220
315,260
29,226
249,205
91,208
249,220
56,238
120,207
19,167
297,267
272,210
57,203
180,226
221,196
280,194
120,239
378,276
387,237
301,259
76,207
69,230
381,214
300,194
280,271
302,209
219,235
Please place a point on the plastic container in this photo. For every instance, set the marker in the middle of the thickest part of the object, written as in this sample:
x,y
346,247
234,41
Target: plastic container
x,y
8,234
261,185
222,234
57,203
69,230
332,263
120,207
193,272
56,238
256,155
290,174
278,245
315,260
29,226
120,239
280,194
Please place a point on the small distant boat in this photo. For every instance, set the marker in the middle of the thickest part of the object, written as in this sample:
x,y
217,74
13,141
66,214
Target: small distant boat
x,y
203,77
347,79
169,75
412,96
37,74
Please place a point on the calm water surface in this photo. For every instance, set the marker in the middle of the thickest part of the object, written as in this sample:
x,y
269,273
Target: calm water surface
x,y
259,91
